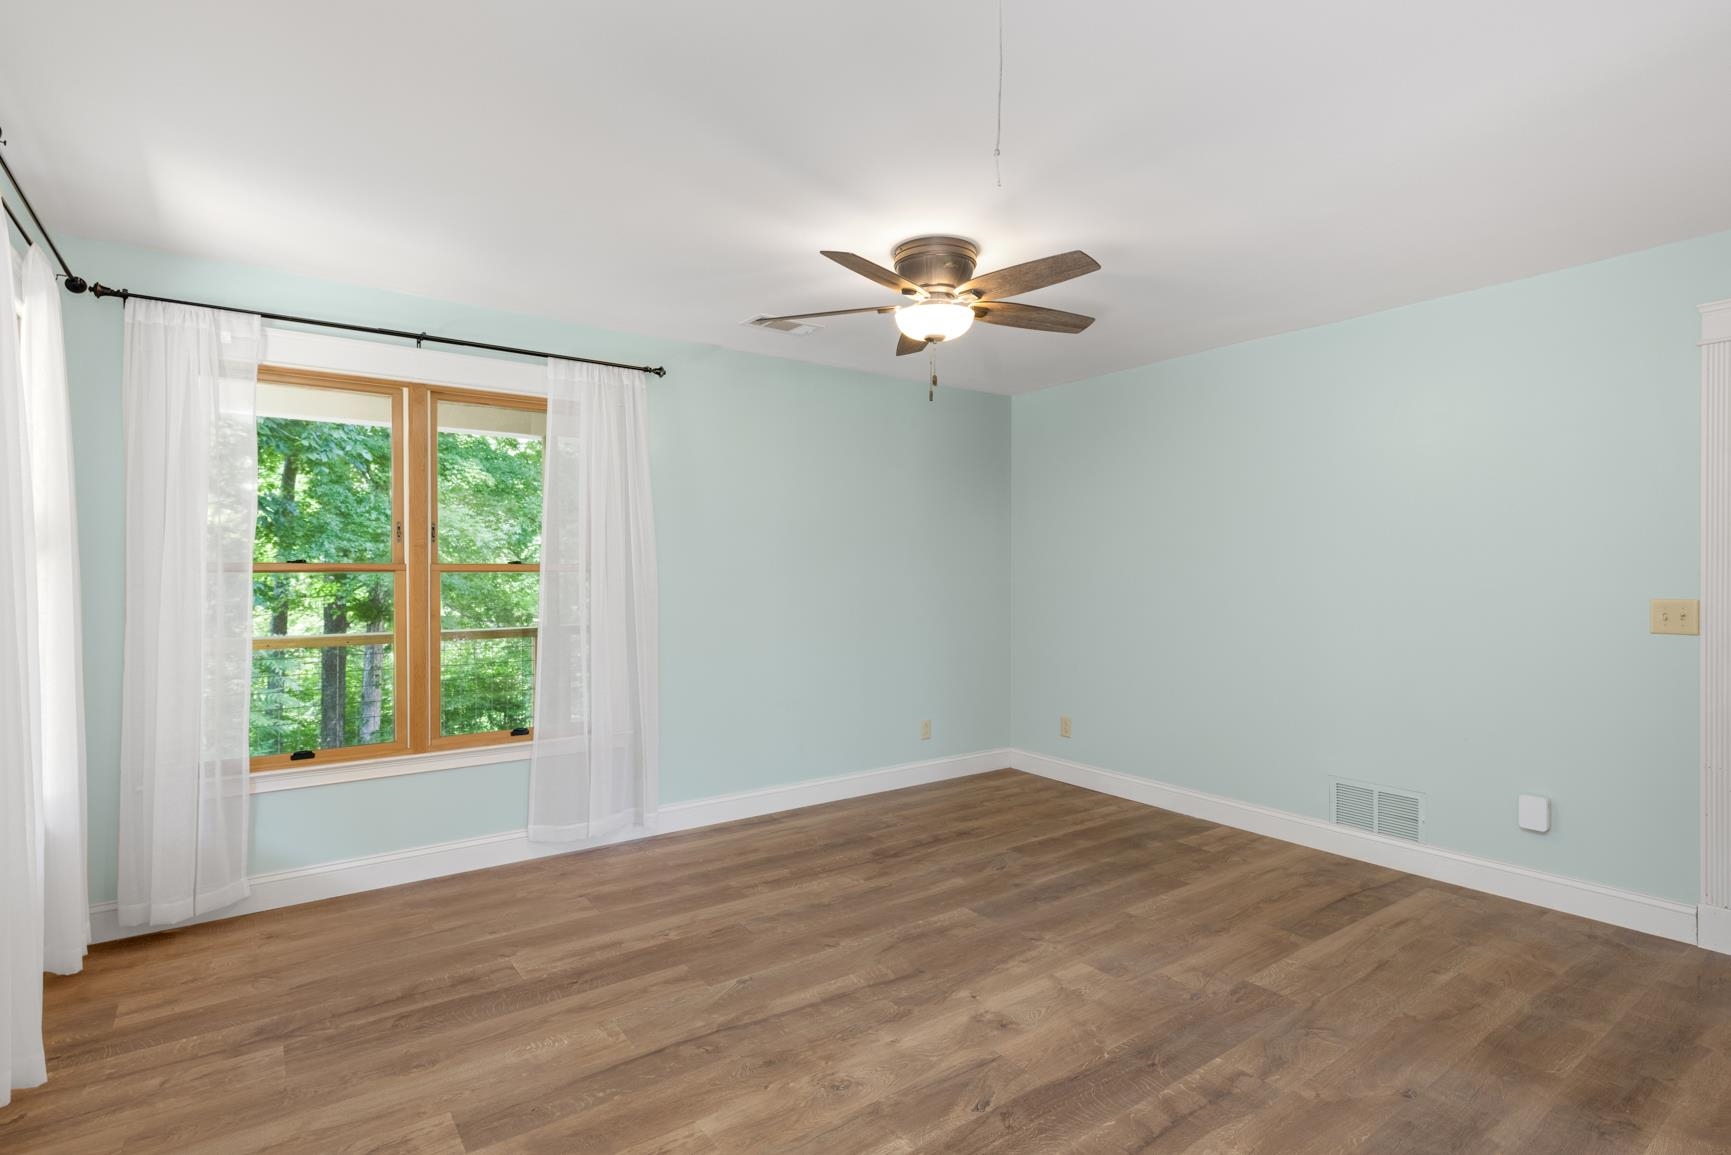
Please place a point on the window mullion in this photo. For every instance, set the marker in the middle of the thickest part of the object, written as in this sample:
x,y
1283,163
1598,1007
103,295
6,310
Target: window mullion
x,y
423,601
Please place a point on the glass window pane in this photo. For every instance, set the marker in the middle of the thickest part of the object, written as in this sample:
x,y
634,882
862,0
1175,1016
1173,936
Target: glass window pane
x,y
324,475
487,651
306,604
307,695
489,483
320,698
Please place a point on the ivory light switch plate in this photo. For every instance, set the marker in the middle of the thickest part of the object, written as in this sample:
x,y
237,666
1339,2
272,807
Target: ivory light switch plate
x,y
1675,616
1063,725
925,729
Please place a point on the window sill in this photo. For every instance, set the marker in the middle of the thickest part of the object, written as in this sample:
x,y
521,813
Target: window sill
x,y
331,773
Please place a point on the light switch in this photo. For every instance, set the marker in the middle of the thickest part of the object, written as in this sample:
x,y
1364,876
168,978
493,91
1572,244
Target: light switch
x,y
1535,813
1063,725
925,729
1675,616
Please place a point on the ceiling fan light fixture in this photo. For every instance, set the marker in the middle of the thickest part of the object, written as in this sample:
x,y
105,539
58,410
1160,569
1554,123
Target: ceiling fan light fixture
x,y
934,320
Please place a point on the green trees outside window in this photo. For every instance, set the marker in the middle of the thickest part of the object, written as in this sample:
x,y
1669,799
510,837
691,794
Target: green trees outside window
x,y
328,619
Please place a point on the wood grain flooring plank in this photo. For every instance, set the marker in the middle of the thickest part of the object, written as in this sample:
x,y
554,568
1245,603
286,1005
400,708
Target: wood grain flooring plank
x,y
998,963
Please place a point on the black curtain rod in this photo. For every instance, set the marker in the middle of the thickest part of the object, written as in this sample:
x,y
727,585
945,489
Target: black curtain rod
x,y
77,284
17,224
74,284
99,291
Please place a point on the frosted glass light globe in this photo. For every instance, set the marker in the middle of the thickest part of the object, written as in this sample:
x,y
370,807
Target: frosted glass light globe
x,y
934,320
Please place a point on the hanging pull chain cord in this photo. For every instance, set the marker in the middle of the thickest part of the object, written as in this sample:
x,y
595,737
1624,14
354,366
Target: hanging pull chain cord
x,y
932,352
998,142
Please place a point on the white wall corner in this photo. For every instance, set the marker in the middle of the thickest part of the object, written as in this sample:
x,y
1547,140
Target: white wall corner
x,y
1642,912
394,868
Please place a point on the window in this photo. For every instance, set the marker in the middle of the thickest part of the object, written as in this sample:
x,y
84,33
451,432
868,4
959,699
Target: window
x,y
396,564
486,570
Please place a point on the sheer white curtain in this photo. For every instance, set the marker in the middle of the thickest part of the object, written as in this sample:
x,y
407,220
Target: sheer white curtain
x,y
189,387
595,758
21,1059
46,920
60,631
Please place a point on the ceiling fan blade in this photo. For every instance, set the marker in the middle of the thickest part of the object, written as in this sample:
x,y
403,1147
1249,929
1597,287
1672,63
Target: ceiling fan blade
x,y
1031,317
1025,278
872,272
906,344
830,313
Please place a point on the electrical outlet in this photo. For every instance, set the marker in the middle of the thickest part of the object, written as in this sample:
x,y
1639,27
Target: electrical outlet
x,y
1063,725
925,729
1674,616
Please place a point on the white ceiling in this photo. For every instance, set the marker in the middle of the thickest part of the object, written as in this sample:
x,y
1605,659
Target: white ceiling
x,y
1240,168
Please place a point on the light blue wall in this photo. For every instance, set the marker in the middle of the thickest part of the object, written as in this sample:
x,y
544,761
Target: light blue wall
x,y
832,566
1414,548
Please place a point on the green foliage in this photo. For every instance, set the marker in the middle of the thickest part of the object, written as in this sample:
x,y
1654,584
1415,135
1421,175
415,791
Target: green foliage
x,y
324,492
288,699
486,684
489,499
325,496
486,601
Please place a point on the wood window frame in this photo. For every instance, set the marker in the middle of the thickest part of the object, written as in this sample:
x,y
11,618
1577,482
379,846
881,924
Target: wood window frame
x,y
415,636
424,541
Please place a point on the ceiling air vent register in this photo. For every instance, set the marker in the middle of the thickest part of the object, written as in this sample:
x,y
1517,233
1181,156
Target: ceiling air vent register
x,y
1379,809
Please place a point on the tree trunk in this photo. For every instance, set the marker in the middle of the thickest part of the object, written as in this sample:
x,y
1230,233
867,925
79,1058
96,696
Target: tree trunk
x,y
275,670
372,689
333,681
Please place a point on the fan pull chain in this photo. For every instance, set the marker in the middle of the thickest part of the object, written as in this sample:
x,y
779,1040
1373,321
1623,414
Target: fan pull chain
x,y
932,352
998,142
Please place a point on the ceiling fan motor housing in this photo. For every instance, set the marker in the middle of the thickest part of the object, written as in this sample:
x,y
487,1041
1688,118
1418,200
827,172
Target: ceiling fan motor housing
x,y
937,264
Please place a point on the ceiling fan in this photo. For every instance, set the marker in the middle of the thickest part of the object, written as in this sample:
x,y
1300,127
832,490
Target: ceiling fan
x,y
936,275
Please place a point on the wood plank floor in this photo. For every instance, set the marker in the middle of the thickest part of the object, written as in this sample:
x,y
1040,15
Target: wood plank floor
x,y
999,963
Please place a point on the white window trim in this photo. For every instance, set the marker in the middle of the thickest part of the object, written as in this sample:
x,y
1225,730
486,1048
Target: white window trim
x,y
297,349
332,773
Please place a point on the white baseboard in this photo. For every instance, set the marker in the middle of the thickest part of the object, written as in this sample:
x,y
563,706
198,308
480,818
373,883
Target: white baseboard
x,y
350,876
1662,917
1642,912
1715,928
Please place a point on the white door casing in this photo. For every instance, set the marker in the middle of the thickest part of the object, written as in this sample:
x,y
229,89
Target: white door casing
x,y
1714,925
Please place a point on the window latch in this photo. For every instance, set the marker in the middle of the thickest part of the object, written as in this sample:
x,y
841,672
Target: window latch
x,y
296,561
520,732
300,755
